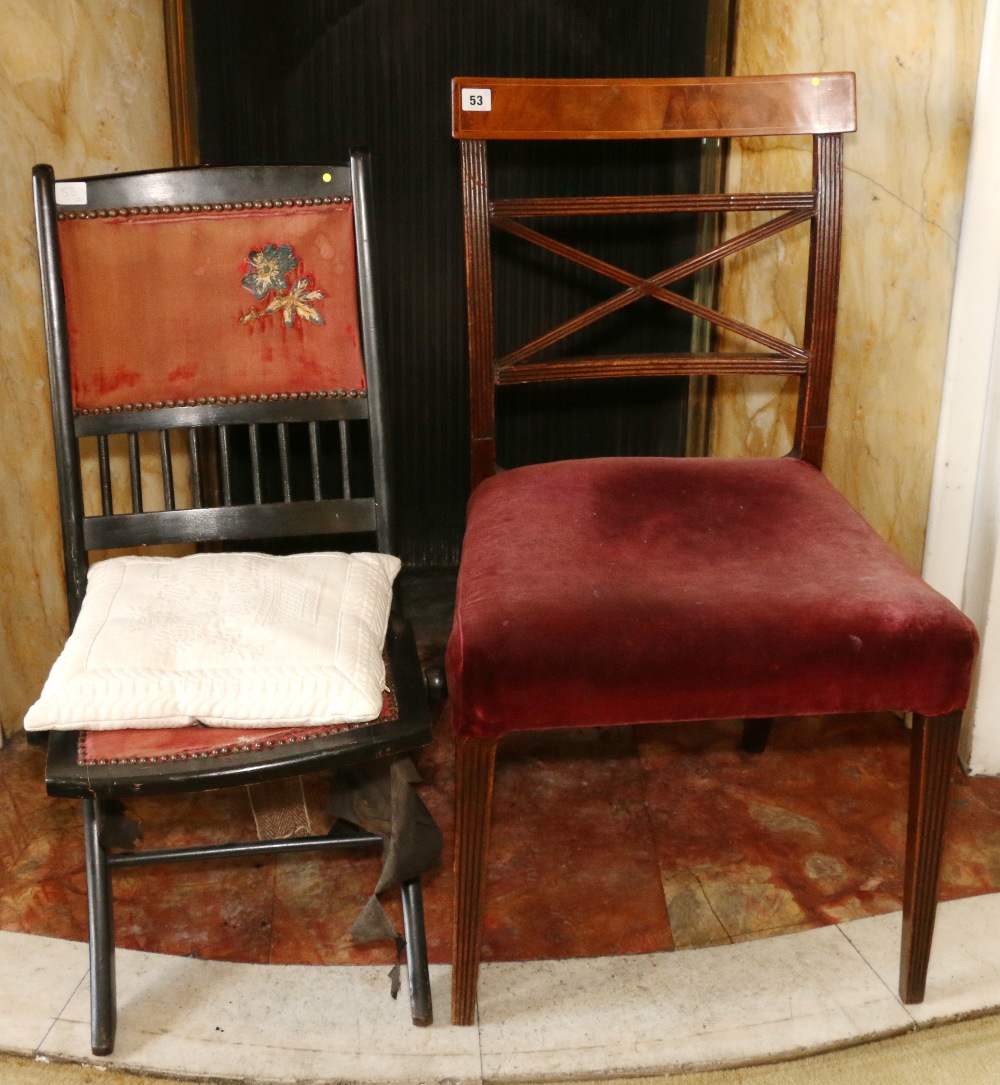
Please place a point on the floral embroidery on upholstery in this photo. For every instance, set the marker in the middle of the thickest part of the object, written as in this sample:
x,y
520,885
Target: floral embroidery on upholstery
x,y
269,269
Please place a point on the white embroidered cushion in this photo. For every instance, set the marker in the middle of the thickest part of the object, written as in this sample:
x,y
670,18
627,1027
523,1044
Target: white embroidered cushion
x,y
228,640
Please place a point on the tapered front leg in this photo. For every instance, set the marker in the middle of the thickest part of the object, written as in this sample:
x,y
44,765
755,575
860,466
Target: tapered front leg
x,y
474,762
932,766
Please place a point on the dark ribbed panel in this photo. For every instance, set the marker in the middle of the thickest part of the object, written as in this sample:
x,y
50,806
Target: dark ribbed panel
x,y
308,82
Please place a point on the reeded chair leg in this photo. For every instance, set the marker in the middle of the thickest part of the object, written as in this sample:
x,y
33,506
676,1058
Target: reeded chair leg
x,y
418,976
474,762
103,1013
932,766
756,734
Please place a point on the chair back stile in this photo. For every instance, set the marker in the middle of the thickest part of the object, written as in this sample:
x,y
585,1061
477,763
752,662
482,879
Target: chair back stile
x,y
374,364
822,107
57,348
821,297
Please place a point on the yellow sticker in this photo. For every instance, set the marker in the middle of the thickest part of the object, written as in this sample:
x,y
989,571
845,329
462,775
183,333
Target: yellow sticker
x,y
815,81
328,177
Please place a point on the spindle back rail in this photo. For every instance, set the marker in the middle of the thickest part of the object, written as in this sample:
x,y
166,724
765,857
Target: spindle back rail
x,y
310,488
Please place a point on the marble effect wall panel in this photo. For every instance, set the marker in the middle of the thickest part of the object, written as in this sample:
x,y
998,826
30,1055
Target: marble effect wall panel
x,y
916,66
82,86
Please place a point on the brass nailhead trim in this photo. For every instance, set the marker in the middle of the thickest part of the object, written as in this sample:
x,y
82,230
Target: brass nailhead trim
x,y
204,401
221,751
124,212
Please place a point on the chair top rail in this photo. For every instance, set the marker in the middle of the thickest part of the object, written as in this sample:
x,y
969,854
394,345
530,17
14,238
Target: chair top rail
x,y
809,104
201,186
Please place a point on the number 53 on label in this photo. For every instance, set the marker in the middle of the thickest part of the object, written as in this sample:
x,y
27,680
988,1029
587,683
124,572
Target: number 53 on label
x,y
476,99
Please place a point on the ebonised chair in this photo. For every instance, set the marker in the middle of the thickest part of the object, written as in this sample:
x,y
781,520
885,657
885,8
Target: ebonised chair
x,y
619,591
222,318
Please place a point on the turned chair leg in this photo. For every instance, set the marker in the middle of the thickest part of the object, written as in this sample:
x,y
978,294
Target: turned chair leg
x,y
417,970
100,917
474,763
932,766
756,734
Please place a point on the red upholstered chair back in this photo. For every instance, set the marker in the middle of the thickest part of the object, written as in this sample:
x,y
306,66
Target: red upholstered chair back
x,y
268,293
223,317
818,106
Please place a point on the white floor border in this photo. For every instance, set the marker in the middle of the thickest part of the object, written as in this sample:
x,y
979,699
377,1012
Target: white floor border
x,y
694,1009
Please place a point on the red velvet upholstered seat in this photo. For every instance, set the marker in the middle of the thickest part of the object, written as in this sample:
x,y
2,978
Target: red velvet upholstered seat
x,y
623,591
608,592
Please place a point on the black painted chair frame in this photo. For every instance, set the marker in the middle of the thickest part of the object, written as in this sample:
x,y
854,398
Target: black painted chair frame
x,y
215,518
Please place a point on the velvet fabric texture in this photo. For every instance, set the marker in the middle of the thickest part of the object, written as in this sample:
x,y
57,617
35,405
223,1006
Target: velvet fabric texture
x,y
634,590
267,297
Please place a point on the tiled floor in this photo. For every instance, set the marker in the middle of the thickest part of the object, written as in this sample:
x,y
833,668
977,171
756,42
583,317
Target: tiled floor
x,y
605,844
